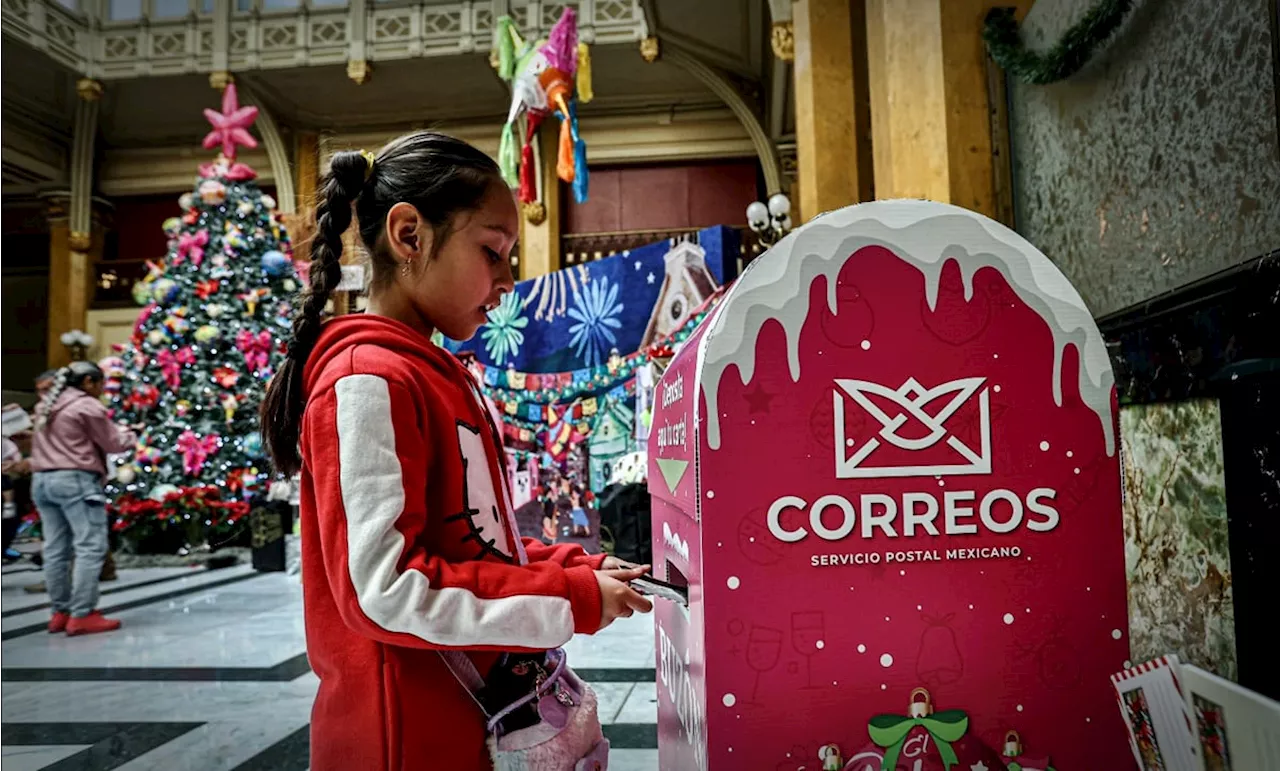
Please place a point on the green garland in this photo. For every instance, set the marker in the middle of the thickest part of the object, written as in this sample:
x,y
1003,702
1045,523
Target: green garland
x,y
1072,51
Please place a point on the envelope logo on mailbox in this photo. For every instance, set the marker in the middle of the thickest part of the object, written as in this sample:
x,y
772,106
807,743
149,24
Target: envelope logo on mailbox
x,y
911,418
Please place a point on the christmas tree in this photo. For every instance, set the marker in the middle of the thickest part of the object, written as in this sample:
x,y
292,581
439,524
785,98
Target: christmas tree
x,y
210,337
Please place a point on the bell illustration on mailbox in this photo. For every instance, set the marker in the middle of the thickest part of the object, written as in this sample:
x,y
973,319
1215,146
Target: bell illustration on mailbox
x,y
866,470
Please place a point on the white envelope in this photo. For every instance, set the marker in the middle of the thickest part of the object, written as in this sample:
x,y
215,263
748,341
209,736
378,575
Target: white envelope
x,y
911,399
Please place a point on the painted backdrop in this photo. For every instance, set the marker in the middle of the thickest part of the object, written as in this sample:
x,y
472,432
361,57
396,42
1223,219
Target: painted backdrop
x,y
573,318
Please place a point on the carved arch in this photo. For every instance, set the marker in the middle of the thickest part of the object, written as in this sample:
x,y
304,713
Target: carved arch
x,y
277,153
725,90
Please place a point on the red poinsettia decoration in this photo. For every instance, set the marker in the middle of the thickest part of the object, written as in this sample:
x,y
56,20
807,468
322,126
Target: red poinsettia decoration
x,y
143,397
205,289
204,503
225,377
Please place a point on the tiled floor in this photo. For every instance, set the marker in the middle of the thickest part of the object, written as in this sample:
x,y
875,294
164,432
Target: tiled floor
x,y
209,673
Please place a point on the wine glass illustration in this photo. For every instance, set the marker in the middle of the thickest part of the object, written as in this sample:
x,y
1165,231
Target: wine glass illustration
x,y
807,631
764,646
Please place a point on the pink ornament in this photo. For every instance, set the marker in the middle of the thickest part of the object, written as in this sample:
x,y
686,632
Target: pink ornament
x,y
191,245
171,365
256,349
195,451
230,127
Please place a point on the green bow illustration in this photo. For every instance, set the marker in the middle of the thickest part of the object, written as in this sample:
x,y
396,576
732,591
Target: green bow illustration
x,y
1016,766
890,732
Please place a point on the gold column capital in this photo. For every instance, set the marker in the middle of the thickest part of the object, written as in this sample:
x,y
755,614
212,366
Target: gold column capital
x,y
220,79
90,90
649,49
782,37
359,70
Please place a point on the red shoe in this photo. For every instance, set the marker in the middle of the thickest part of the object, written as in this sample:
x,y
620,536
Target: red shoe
x,y
58,623
93,623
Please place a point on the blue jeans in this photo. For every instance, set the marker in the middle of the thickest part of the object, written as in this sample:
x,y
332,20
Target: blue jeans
x,y
73,518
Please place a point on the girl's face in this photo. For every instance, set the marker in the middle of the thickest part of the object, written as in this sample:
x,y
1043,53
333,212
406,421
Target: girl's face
x,y
453,289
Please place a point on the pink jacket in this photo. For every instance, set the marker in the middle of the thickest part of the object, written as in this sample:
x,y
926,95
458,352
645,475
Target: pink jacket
x,y
78,436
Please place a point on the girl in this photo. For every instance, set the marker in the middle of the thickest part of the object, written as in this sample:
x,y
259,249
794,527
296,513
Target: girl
x,y
408,541
73,436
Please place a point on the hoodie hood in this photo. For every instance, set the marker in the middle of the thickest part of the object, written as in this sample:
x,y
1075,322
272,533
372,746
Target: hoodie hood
x,y
346,332
69,395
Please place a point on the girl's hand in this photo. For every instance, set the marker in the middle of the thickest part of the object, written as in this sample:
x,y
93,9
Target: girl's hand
x,y
613,563
617,598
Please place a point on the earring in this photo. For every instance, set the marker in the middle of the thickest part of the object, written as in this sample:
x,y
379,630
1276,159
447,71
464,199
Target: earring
x,y
406,266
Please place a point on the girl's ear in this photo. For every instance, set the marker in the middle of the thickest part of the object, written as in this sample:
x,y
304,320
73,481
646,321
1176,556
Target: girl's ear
x,y
408,234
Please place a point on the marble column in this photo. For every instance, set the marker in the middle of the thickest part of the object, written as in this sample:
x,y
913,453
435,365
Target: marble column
x,y
833,167
930,110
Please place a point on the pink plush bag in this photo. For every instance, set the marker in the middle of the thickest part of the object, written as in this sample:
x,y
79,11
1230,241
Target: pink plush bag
x,y
567,735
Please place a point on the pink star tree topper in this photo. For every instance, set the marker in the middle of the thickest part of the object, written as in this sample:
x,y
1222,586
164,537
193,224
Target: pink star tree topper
x,y
231,126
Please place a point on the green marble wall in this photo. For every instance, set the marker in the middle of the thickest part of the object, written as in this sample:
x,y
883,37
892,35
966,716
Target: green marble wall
x,y
1175,528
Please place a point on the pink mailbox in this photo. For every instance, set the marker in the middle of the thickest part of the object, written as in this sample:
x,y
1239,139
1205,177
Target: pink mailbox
x,y
887,469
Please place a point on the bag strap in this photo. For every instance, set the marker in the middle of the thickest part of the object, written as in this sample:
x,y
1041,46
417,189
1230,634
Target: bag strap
x,y
465,672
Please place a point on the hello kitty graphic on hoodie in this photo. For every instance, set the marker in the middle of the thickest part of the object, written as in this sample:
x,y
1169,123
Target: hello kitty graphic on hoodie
x,y
409,546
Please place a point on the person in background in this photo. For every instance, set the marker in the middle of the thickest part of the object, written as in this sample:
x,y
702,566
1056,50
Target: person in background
x,y
45,381
73,435
22,471
13,469
16,472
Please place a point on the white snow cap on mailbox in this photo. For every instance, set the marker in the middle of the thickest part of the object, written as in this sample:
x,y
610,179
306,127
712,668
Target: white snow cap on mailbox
x,y
910,227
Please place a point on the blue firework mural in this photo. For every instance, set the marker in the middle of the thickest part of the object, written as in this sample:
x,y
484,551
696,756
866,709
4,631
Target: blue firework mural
x,y
502,335
555,321
595,310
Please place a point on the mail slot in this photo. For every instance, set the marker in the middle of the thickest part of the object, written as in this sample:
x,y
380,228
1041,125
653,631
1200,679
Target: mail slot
x,y
887,469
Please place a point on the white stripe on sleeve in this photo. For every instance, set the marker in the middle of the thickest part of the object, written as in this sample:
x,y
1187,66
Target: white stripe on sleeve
x,y
405,602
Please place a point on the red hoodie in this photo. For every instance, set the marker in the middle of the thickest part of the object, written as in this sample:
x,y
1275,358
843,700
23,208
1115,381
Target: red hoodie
x,y
409,546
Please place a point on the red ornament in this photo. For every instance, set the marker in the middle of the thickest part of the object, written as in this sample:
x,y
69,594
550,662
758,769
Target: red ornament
x,y
143,397
205,289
